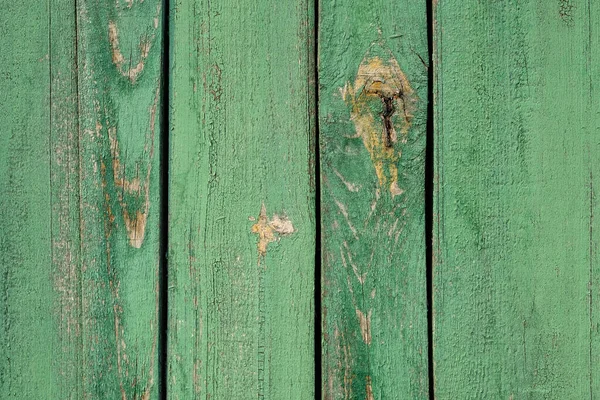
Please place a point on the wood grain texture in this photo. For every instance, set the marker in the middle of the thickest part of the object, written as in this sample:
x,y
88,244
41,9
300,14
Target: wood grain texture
x,y
241,224
79,173
25,202
372,124
517,141
119,52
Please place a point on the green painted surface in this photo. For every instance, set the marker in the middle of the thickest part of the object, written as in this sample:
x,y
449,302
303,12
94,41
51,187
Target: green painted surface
x,y
25,238
372,124
119,52
241,223
515,247
78,161
517,141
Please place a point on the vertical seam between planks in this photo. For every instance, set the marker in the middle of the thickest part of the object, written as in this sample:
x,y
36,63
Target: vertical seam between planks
x,y
429,189
314,57
80,199
164,204
50,142
591,243
591,221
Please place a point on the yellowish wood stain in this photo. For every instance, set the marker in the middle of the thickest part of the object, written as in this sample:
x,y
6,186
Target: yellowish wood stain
x,y
379,79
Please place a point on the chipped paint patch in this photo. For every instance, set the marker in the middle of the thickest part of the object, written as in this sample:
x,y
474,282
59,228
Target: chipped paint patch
x,y
136,227
381,79
117,57
270,230
365,325
135,223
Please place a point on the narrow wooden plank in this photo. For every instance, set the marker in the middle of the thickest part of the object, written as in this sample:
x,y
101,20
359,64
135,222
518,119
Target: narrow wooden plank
x,y
25,212
79,310
241,224
65,241
372,124
517,138
119,66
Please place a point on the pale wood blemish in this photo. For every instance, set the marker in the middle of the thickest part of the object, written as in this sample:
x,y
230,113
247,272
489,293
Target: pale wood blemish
x,y
365,325
270,230
369,389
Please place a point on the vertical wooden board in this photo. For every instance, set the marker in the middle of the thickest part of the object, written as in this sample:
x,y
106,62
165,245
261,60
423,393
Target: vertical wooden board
x,y
119,66
372,121
41,340
516,167
25,214
241,214
78,296
63,178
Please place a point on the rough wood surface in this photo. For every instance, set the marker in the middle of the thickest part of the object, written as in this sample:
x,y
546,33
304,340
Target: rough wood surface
x,y
79,221
26,267
517,144
372,124
241,224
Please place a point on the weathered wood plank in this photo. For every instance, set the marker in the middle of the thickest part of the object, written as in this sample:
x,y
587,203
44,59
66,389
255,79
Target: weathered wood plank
x,y
119,53
517,141
372,113
25,211
65,241
241,225
80,180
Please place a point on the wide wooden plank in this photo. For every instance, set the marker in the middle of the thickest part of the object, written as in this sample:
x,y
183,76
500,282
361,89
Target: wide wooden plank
x,y
372,123
80,212
517,143
241,223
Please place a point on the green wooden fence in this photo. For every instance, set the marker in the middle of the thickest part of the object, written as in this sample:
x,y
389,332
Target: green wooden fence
x,y
210,199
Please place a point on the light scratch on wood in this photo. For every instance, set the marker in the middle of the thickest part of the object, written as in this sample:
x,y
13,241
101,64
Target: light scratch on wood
x,y
361,277
344,212
349,185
